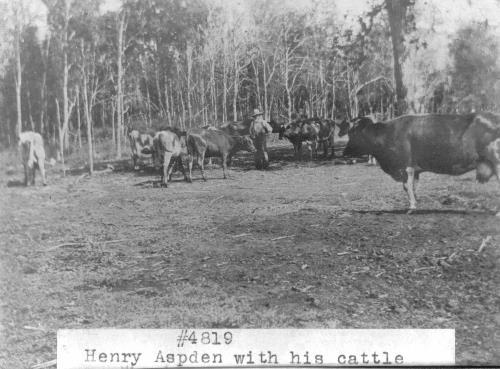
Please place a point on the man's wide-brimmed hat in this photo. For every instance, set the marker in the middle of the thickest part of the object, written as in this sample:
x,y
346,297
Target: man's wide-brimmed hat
x,y
257,112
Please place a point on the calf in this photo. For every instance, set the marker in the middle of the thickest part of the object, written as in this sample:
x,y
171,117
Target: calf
x,y
33,156
438,143
203,142
140,145
168,150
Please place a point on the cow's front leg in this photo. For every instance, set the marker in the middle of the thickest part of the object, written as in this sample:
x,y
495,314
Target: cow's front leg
x,y
314,146
201,163
410,187
26,174
295,150
310,150
265,163
190,168
33,171
325,149
181,167
166,163
415,182
224,165
41,166
171,168
135,158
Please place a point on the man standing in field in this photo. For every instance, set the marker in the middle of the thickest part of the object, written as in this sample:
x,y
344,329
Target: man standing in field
x,y
259,128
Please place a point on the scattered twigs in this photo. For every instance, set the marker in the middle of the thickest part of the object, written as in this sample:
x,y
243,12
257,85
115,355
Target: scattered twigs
x,y
343,253
45,364
483,244
215,200
282,237
80,178
91,243
424,268
241,235
80,244
31,328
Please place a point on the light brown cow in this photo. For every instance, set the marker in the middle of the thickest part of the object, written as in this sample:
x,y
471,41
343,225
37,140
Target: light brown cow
x,y
169,150
203,143
33,156
140,145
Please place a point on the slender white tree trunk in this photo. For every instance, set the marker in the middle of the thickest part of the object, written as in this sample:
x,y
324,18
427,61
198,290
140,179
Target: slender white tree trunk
x,y
119,101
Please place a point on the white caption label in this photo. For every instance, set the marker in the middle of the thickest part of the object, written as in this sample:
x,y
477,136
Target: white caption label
x,y
188,348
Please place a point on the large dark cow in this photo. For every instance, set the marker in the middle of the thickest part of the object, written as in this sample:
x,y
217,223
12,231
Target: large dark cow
x,y
169,150
445,144
140,145
312,131
33,156
344,127
208,142
258,131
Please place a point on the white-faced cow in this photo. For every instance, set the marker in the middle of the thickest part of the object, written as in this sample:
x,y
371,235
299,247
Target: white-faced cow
x,y
202,142
445,144
33,156
140,145
168,151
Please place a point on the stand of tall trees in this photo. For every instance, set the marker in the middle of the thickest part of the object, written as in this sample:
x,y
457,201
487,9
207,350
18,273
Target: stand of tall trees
x,y
196,62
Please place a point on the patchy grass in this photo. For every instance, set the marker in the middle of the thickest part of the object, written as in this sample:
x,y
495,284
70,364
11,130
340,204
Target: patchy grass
x,y
308,244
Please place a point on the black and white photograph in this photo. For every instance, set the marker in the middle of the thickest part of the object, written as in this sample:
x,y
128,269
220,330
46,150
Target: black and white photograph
x,y
249,164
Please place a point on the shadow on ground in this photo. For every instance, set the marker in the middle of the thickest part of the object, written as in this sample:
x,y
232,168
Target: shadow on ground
x,y
486,213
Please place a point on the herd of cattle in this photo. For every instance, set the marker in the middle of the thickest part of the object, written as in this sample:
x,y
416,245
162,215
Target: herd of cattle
x,y
171,147
404,147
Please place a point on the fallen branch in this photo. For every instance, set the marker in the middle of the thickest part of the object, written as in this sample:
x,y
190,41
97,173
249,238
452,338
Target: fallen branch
x,y
362,270
194,191
67,244
45,364
282,237
343,253
483,244
30,328
80,178
452,256
242,235
216,199
424,268
113,241
89,242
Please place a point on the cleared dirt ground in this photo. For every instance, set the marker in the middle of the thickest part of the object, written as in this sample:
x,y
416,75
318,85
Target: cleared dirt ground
x,y
309,244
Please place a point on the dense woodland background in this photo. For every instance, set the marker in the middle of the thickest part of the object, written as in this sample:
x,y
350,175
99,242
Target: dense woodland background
x,y
74,71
